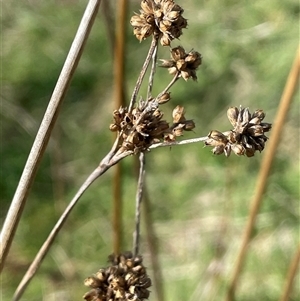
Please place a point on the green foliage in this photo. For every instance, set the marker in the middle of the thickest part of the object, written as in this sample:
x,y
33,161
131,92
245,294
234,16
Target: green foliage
x,y
200,202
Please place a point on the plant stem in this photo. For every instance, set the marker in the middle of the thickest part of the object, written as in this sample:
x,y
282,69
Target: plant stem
x,y
152,72
182,142
291,276
139,196
142,73
153,247
265,168
38,148
119,75
106,10
110,159
172,82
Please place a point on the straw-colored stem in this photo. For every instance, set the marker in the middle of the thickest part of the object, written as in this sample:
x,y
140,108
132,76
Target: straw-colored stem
x,y
139,196
111,159
171,83
152,72
265,168
106,11
142,73
153,247
291,276
119,102
182,142
42,138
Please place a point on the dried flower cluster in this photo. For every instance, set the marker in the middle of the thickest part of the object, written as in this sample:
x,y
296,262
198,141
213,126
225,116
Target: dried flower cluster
x,y
144,126
126,279
185,64
247,136
162,18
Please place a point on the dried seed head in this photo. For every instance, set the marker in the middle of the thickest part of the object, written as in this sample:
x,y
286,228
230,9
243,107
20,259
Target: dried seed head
x,y
126,279
185,64
140,127
232,114
178,114
164,98
189,125
162,18
144,125
246,137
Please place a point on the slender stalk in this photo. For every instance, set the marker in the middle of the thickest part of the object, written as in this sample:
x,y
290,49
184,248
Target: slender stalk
x,y
110,159
182,142
139,196
294,265
109,21
264,172
142,73
119,102
171,83
42,137
153,248
152,72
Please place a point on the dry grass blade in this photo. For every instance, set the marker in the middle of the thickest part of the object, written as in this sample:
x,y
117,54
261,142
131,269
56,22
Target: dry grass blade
x,y
119,102
291,276
42,138
265,168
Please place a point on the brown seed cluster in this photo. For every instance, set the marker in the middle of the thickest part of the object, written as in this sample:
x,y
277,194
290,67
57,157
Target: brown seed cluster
x,y
247,136
184,63
144,125
124,280
162,18
179,125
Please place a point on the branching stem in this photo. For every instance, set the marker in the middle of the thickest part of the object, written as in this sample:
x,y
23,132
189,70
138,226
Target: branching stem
x,y
152,72
110,159
182,142
137,87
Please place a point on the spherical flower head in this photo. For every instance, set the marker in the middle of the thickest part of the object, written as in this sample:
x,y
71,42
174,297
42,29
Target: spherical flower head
x,y
246,137
162,18
125,279
185,64
145,126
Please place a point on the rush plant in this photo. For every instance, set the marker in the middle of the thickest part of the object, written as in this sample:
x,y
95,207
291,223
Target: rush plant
x,y
142,127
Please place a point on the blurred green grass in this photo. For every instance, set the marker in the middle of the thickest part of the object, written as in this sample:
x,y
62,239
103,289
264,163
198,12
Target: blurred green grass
x,y
200,202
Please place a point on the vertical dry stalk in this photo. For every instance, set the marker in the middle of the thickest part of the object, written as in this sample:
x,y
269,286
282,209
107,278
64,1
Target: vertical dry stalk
x,y
138,201
153,248
119,101
42,138
108,19
291,276
264,172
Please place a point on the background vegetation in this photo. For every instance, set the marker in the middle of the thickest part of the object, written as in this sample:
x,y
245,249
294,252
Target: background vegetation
x,y
199,201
